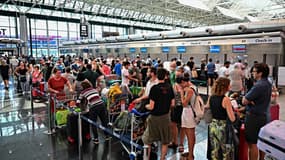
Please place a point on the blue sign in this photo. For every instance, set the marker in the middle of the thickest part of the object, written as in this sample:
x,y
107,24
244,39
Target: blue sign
x,y
215,49
132,50
181,49
165,49
143,50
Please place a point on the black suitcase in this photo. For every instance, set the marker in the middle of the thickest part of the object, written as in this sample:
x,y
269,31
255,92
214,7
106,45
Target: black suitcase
x,y
72,128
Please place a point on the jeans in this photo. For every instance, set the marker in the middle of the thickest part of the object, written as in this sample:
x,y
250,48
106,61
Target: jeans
x,y
101,111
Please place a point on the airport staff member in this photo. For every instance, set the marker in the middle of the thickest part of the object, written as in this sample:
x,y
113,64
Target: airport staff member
x,y
257,102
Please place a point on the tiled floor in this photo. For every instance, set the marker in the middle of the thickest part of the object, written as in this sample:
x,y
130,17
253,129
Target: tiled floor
x,y
22,135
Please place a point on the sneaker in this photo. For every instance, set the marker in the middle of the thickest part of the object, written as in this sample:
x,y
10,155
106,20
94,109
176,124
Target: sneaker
x,y
96,141
107,138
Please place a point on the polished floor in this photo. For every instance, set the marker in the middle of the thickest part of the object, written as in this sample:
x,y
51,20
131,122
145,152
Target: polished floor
x,y
23,134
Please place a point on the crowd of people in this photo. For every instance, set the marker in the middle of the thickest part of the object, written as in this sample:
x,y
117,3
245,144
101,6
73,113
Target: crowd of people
x,y
168,95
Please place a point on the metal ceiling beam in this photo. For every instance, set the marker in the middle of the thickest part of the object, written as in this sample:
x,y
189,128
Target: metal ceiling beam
x,y
70,10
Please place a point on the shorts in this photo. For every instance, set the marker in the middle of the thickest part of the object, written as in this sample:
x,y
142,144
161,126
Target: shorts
x,y
253,123
187,118
158,129
175,114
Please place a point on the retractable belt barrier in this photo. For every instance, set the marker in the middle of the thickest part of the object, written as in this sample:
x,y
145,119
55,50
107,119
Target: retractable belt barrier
x,y
109,131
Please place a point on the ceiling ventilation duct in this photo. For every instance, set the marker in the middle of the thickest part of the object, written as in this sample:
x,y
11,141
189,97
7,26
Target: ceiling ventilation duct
x,y
242,28
100,40
136,37
122,38
171,34
110,39
153,35
209,30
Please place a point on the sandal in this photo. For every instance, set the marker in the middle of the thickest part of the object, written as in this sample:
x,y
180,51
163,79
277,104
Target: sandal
x,y
180,149
172,145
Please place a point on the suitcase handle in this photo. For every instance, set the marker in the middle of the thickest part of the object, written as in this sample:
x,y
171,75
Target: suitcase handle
x,y
267,151
272,138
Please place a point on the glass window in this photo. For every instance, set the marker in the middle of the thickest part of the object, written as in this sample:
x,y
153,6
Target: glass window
x,y
52,25
62,26
73,36
106,28
41,32
62,35
113,29
41,24
73,26
4,21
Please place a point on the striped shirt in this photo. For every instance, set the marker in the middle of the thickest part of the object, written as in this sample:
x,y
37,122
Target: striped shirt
x,y
92,96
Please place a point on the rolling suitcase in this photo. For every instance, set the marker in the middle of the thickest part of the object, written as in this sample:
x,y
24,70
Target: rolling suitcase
x,y
271,139
72,128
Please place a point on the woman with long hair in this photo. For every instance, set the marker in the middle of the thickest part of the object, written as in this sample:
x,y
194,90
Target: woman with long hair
x,y
222,110
188,123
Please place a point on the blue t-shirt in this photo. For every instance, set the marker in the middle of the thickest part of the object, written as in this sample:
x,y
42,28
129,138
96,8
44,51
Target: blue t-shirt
x,y
260,94
211,68
117,69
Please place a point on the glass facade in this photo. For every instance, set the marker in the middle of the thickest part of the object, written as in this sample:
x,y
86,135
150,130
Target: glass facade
x,y
45,36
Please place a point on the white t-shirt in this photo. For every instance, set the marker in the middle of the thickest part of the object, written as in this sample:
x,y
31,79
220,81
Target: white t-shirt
x,y
149,84
125,75
223,72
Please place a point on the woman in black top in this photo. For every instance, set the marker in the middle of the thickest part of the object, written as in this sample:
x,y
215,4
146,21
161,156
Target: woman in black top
x,y
22,72
4,68
221,108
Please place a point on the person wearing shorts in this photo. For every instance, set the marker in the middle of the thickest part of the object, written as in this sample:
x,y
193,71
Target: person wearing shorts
x,y
158,123
257,102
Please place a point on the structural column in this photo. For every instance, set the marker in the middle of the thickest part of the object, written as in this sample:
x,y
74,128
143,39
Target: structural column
x,y
23,33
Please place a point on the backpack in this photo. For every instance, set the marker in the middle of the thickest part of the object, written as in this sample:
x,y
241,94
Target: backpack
x,y
114,91
197,105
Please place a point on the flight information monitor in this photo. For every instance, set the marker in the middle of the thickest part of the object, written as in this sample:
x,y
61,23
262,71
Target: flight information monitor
x,y
239,48
132,50
215,49
181,49
165,49
143,50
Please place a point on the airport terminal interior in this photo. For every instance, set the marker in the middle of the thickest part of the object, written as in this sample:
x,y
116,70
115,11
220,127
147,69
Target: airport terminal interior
x,y
123,42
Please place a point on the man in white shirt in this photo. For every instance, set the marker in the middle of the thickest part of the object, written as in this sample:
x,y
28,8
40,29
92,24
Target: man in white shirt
x,y
151,82
224,70
125,74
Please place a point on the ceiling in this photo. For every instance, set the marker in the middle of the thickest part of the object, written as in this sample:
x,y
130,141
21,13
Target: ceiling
x,y
167,14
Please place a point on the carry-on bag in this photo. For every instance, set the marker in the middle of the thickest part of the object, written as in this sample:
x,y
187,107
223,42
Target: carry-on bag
x,y
72,128
271,139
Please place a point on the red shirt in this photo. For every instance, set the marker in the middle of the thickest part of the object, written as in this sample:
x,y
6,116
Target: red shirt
x,y
106,69
57,84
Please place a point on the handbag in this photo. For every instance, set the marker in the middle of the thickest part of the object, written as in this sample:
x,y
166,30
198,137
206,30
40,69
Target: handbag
x,y
208,116
231,133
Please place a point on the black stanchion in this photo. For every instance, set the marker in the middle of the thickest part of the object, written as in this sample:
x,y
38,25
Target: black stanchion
x,y
32,109
80,137
50,119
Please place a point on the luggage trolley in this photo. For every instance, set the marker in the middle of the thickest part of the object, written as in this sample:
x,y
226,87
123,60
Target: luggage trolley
x,y
59,111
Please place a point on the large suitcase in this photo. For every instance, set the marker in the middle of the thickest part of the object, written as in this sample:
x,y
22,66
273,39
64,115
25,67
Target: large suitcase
x,y
271,139
72,128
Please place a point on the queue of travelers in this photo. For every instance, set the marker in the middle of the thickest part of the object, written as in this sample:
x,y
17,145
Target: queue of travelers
x,y
168,95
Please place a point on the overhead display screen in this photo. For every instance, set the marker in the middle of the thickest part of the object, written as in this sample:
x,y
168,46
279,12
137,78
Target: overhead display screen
x,y
239,48
215,49
143,50
165,49
181,49
132,50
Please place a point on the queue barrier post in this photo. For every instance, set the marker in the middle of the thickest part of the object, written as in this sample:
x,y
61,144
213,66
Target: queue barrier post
x,y
80,136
